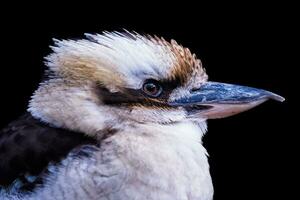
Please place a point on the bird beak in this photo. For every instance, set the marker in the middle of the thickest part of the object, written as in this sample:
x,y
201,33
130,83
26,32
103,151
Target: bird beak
x,y
218,100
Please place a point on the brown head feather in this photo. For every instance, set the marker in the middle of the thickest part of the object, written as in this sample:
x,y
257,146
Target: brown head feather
x,y
186,66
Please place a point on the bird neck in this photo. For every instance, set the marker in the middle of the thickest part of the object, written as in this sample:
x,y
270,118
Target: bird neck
x,y
168,157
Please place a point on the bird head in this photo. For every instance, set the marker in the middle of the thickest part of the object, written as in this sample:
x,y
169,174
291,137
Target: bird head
x,y
113,78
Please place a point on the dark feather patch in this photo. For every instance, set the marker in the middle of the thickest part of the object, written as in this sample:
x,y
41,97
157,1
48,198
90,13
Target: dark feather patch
x,y
27,146
136,96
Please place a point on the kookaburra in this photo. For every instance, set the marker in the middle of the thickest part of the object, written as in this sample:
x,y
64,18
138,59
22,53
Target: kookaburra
x,y
120,117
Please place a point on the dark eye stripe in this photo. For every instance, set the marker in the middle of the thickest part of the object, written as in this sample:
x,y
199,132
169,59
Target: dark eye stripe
x,y
136,96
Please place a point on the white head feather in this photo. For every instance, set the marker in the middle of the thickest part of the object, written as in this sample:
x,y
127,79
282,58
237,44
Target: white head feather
x,y
115,61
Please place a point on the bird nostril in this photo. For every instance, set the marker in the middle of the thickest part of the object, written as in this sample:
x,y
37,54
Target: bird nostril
x,y
195,89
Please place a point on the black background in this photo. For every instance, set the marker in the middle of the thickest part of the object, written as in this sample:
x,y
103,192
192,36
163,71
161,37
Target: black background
x,y
251,44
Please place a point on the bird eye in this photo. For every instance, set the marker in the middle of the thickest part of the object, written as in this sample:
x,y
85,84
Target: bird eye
x,y
152,88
